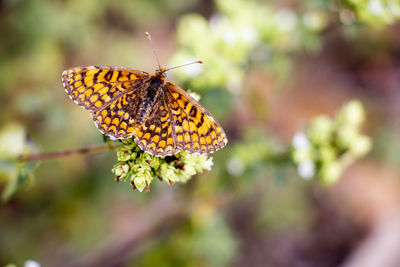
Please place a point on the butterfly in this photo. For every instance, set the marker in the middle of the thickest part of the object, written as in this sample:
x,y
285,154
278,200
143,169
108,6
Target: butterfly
x,y
161,117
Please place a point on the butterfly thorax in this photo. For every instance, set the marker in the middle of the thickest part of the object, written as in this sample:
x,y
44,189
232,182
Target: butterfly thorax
x,y
150,95
157,79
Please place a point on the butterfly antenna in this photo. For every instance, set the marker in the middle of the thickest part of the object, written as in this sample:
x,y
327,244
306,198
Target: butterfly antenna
x,y
152,47
194,62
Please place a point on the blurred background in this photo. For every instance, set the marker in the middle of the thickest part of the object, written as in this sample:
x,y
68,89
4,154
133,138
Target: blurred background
x,y
271,69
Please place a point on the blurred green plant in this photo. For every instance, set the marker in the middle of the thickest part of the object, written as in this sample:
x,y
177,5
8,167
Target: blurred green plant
x,y
243,33
14,173
205,238
323,150
375,13
256,150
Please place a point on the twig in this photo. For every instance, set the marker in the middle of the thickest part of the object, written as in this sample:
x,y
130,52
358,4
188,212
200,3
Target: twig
x,y
66,153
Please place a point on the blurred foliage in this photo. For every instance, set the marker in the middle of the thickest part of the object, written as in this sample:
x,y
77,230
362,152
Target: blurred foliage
x,y
204,243
13,172
376,13
241,34
74,204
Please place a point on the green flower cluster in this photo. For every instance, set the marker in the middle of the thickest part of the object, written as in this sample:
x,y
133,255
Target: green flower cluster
x,y
328,145
140,168
375,13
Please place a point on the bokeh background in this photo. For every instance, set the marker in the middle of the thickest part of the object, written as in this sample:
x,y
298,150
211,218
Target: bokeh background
x,y
271,67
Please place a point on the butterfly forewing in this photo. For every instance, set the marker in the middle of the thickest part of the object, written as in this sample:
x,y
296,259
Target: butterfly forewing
x,y
94,87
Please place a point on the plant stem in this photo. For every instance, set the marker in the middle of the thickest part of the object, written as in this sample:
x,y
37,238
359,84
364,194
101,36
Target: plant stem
x,y
66,153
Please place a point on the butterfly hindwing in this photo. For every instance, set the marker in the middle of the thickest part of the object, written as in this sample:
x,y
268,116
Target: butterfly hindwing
x,y
194,127
155,135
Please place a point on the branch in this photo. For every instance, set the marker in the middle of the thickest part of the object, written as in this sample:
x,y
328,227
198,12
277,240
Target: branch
x,y
67,153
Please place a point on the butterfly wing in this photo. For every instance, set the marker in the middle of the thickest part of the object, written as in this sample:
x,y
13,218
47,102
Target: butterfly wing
x,y
118,118
110,93
94,87
194,128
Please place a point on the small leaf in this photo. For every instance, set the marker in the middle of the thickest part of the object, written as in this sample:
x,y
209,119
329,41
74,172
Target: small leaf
x,y
18,179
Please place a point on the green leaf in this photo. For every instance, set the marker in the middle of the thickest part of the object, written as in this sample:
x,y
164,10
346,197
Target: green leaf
x,y
18,178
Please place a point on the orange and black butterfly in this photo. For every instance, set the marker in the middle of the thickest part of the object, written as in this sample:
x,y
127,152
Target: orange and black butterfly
x,y
161,117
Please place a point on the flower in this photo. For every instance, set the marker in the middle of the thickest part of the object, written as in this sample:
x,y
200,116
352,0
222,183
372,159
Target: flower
x,y
300,141
141,178
168,173
352,114
12,141
320,131
142,167
120,170
328,146
361,145
331,172
306,169
124,155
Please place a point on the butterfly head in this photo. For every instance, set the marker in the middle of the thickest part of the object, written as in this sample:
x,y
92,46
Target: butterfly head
x,y
161,71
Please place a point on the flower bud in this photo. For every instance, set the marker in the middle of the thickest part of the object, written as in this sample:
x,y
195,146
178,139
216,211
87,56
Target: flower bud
x,y
320,131
139,181
306,169
123,154
327,154
168,173
120,170
352,114
361,145
302,155
189,171
12,141
204,162
152,161
300,141
346,136
330,173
